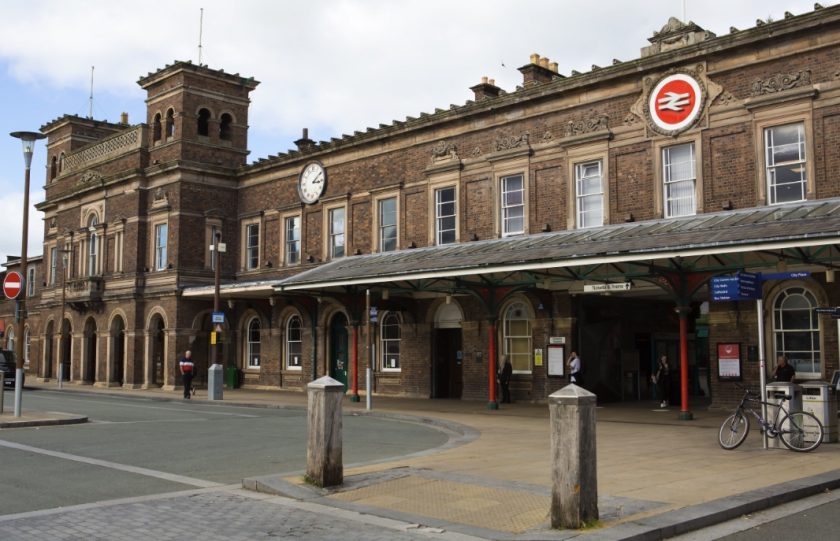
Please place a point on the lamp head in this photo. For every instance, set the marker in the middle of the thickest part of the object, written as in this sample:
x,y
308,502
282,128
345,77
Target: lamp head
x,y
28,139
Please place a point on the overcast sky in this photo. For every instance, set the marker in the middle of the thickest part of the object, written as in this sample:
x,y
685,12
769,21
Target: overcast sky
x,y
334,66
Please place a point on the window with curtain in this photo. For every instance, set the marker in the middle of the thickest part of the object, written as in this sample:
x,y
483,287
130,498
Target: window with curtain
x,y
388,224
513,205
293,240
93,246
252,246
161,240
786,173
589,194
445,215
337,233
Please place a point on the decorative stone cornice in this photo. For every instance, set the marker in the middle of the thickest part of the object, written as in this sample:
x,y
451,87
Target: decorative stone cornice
x,y
105,150
511,142
587,125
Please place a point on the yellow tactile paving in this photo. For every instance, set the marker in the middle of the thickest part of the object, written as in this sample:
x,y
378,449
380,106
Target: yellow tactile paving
x,y
486,507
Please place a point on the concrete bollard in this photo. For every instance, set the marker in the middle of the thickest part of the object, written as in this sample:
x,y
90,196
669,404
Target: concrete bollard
x,y
574,493
324,466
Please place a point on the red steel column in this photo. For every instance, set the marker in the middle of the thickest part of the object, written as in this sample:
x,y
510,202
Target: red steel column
x,y
683,313
491,365
354,397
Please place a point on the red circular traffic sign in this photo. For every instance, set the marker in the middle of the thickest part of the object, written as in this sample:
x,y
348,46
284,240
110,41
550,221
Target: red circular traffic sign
x,y
675,102
12,284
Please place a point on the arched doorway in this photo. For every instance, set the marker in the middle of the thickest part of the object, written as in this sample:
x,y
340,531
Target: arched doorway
x,y
118,351
338,348
89,363
448,361
48,351
157,344
65,349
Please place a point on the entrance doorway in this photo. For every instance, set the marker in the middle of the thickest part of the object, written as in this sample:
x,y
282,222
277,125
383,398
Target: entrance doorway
x,y
48,351
89,374
338,348
65,349
158,345
448,364
118,351
448,359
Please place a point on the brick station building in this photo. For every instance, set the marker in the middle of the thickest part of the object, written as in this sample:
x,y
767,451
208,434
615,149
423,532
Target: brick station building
x,y
594,212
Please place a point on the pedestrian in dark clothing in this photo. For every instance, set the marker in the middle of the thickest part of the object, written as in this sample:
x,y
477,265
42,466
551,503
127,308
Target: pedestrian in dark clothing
x,y
662,379
504,380
783,371
187,370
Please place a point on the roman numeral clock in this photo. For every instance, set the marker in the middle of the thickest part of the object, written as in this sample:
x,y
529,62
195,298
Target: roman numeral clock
x,y
311,182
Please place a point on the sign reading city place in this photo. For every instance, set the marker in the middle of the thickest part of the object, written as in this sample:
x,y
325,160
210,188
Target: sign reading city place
x,y
675,102
601,288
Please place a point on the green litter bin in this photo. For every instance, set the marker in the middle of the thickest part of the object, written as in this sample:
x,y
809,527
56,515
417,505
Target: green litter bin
x,y
231,379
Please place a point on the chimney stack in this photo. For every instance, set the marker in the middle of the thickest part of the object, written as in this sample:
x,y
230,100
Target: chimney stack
x,y
124,118
486,89
539,70
305,143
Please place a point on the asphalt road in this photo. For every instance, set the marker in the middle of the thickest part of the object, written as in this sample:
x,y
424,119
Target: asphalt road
x,y
135,446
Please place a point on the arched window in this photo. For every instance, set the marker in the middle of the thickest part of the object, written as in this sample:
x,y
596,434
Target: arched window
x,y
54,167
516,332
156,128
252,346
390,341
93,246
170,123
204,122
294,344
796,331
26,344
224,127
61,162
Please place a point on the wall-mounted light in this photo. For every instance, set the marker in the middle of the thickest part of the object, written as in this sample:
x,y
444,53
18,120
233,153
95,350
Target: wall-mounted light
x,y
448,299
829,276
781,265
230,303
272,301
386,294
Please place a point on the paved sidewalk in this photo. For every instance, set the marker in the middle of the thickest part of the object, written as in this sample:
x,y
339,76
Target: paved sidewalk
x,y
657,476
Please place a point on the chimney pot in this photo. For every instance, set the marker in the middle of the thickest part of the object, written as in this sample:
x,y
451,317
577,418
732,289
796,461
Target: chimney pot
x,y
305,133
492,82
544,62
123,118
535,58
553,67
484,80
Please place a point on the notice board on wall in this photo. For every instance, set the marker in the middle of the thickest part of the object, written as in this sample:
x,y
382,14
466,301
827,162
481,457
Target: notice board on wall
x,y
556,361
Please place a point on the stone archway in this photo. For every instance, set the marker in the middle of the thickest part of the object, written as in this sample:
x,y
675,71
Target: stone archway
x,y
48,351
157,351
90,352
117,338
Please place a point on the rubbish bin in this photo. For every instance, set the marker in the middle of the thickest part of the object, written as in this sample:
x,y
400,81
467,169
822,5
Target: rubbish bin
x,y
232,377
775,392
818,399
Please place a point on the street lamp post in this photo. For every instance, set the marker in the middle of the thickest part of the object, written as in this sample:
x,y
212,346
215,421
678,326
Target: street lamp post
x,y
28,139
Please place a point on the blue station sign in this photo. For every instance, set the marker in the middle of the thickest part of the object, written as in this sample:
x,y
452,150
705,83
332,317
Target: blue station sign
x,y
746,286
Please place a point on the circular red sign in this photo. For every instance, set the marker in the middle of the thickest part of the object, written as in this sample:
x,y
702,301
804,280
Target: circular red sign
x,y
675,102
12,284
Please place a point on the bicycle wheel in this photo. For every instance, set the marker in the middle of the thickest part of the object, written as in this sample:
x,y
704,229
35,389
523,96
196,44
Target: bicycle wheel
x,y
734,430
801,431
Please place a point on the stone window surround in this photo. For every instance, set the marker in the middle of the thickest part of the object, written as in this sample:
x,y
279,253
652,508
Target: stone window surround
x,y
376,200
659,146
584,154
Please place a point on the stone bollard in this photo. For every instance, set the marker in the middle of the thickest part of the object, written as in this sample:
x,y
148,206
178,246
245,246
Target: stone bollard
x,y
324,466
574,493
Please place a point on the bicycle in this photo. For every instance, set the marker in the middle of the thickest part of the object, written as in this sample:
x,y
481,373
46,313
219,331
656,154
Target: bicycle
x,y
799,431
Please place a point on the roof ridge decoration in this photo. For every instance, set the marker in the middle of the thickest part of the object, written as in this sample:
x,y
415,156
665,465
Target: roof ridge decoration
x,y
674,35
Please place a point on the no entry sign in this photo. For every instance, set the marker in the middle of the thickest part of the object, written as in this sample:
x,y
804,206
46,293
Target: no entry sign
x,y
12,285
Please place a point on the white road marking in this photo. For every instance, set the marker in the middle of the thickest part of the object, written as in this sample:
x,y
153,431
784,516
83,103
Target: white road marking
x,y
111,403
201,483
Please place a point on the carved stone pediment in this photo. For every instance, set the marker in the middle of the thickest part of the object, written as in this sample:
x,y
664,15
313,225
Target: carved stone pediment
x,y
587,125
90,177
781,82
511,142
444,157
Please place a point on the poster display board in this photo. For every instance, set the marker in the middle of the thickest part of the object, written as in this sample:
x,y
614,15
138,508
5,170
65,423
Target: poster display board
x,y
729,361
556,362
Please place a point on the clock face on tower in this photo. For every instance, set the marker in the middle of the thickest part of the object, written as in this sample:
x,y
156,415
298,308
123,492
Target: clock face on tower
x,y
311,182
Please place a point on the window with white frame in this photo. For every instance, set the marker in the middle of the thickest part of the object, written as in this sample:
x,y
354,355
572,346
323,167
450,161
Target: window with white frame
x,y
161,241
796,331
53,264
445,215
390,341
679,179
513,205
336,238
26,344
786,167
517,337
292,240
93,246
294,344
252,344
30,282
252,246
589,194
388,224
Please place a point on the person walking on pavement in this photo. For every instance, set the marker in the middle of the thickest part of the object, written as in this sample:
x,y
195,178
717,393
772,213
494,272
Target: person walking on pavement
x,y
504,380
662,379
187,369
575,369
783,371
